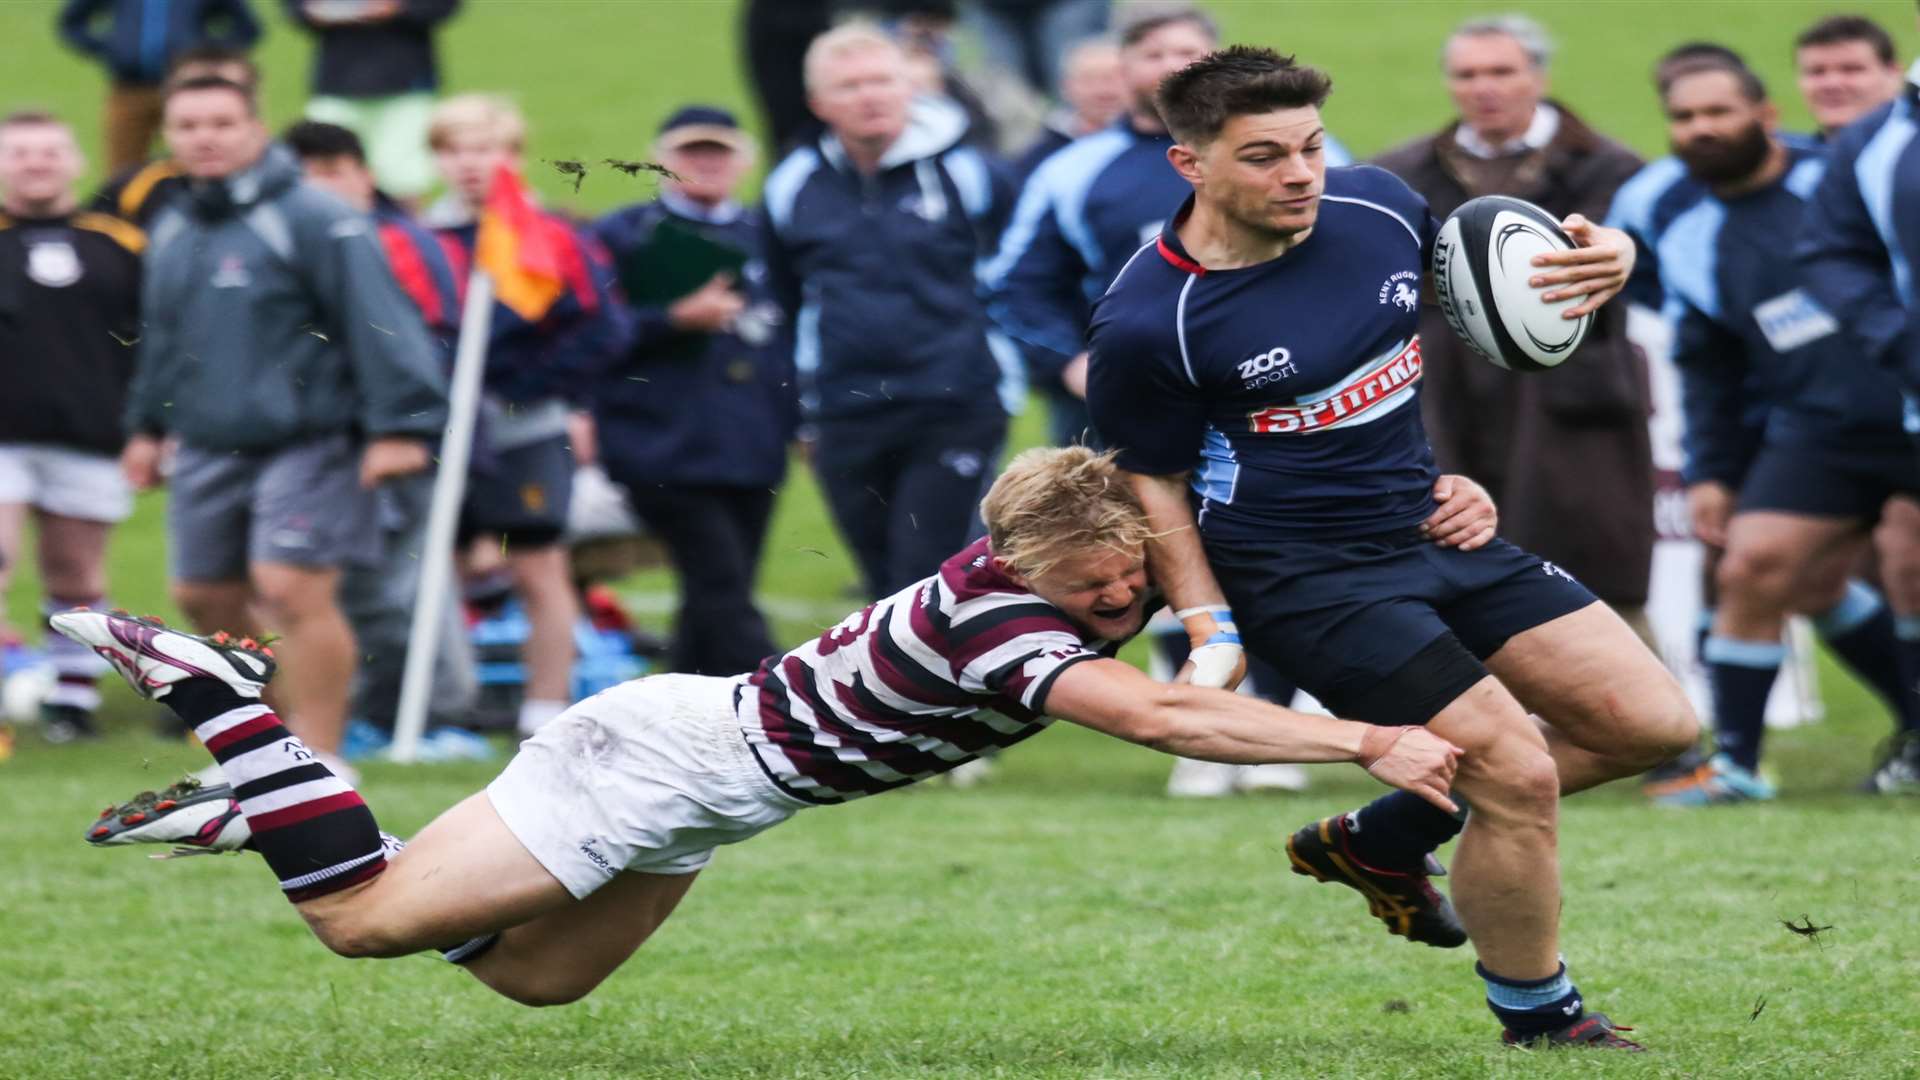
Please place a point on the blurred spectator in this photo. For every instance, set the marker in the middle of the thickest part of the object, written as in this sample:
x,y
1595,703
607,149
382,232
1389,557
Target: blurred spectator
x,y
375,73
378,598
1568,458
69,310
541,356
137,192
774,36
924,29
272,483
137,41
1034,37
873,233
1093,95
696,424
1086,210
1846,68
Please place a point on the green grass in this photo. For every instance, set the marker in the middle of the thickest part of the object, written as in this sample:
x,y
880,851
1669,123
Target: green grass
x,y
1066,920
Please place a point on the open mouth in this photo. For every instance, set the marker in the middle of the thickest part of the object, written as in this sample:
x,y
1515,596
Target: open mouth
x,y
1113,612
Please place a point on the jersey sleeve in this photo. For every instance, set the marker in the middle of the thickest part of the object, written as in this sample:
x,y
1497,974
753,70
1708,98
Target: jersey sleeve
x,y
1713,395
1141,391
1851,268
1033,284
1016,652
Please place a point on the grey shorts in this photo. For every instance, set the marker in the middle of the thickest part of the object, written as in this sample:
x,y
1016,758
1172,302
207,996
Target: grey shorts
x,y
301,505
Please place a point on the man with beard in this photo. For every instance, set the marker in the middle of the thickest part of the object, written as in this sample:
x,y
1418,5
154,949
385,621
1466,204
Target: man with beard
x,y
1850,616
1832,450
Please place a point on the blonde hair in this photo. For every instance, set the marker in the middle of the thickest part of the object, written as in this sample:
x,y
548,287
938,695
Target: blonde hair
x,y
1057,502
856,36
487,115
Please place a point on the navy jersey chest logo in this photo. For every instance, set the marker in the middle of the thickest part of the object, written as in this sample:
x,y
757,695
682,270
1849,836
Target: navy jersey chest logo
x,y
1375,389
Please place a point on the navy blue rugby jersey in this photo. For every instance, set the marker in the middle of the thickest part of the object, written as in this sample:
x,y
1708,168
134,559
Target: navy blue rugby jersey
x,y
1748,327
1289,389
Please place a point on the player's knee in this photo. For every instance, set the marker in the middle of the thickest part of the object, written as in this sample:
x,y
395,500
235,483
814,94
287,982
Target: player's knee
x,y
1757,572
543,992
1518,782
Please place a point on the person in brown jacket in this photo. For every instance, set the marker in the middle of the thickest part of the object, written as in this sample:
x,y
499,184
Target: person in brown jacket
x,y
1566,454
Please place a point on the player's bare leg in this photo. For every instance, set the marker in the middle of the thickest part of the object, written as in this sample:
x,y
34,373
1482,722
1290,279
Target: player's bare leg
x,y
299,603
540,578
466,876
1611,709
1897,541
1506,875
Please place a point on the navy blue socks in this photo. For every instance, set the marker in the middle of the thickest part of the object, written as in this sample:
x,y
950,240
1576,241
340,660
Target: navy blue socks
x,y
1398,829
1532,1007
1742,675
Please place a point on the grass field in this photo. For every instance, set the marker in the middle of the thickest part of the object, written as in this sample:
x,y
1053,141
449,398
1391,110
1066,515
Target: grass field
x,y
1064,921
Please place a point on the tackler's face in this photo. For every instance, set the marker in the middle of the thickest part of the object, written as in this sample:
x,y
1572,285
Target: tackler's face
x,y
1102,590
1265,171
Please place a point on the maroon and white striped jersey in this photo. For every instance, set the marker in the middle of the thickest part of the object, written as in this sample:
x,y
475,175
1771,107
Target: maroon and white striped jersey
x,y
912,686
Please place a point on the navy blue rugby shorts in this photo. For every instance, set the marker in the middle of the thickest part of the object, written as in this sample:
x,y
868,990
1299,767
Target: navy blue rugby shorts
x,y
1851,478
1388,628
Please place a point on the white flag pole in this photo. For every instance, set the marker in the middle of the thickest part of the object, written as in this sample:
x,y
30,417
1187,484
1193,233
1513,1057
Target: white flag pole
x,y
449,488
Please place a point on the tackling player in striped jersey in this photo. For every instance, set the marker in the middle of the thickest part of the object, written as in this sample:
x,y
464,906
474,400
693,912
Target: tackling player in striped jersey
x,y
546,882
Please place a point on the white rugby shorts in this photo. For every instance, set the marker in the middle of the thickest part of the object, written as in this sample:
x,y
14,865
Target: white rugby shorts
x,y
70,483
651,775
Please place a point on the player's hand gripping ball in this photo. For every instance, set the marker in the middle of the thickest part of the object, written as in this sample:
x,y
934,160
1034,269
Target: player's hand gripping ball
x,y
1482,261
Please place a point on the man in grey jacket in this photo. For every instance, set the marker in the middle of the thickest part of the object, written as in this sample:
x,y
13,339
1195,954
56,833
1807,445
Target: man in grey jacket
x,y
296,377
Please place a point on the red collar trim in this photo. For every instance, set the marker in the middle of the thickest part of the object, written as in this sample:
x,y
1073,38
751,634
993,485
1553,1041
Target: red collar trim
x,y
1178,260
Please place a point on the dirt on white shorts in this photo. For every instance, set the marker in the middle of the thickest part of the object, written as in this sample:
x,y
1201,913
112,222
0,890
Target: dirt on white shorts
x,y
70,483
651,775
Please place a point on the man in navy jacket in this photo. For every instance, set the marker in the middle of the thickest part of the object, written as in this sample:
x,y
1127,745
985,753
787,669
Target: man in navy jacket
x,y
873,233
695,422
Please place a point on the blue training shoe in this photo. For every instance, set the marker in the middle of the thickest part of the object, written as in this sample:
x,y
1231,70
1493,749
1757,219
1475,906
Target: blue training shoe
x,y
1718,782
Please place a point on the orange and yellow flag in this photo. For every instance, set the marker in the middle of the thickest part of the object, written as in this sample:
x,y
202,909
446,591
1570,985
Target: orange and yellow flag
x,y
516,248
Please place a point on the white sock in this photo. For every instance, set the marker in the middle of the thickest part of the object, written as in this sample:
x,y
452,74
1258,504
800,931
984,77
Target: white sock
x,y
535,713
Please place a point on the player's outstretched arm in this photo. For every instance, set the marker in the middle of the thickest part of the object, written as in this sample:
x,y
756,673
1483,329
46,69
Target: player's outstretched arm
x,y
1598,269
1217,725
1178,565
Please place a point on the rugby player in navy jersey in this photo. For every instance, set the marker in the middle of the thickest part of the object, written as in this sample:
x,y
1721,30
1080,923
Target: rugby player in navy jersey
x,y
1833,451
545,883
1256,368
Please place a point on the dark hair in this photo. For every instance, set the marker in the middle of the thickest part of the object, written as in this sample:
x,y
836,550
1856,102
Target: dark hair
x,y
214,82
310,139
1839,29
1138,20
1751,86
1689,51
31,118
210,55
1199,99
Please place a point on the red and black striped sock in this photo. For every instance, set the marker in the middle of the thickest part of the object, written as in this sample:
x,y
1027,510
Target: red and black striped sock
x,y
311,826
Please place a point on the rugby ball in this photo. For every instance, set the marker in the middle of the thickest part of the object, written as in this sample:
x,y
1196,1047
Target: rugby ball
x,y
1481,262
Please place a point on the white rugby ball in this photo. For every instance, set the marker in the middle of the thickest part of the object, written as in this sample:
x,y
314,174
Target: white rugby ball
x,y
1482,260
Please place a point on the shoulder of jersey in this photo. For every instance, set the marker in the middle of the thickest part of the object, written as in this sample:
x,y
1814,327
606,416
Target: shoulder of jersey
x,y
120,232
1373,184
1086,152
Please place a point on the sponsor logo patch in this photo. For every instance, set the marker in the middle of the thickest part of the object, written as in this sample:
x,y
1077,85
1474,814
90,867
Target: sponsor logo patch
x,y
1365,396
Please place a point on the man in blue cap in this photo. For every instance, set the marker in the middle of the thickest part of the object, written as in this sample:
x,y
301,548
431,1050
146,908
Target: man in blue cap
x,y
695,422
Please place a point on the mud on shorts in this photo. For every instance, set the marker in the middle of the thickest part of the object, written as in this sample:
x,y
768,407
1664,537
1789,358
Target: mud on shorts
x,y
651,775
1389,628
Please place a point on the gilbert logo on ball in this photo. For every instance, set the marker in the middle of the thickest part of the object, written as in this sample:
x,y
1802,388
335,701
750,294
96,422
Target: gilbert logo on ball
x,y
1482,261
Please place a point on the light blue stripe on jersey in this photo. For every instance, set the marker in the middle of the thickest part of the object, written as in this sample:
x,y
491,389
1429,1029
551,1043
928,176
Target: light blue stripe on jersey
x,y
806,350
1219,475
972,178
784,183
1013,372
1633,204
1059,186
1690,253
1874,169
1805,176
